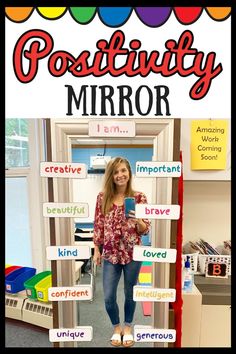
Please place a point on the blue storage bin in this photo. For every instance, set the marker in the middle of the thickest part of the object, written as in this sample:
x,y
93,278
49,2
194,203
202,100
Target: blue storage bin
x,y
14,281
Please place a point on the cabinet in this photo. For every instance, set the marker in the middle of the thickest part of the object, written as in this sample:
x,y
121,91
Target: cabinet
x,y
206,316
215,326
191,318
215,311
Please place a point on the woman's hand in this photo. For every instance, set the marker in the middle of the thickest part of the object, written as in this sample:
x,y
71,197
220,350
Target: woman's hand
x,y
97,257
131,214
140,224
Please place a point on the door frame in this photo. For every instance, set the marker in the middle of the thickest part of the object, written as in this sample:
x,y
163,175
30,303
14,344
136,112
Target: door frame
x,y
166,133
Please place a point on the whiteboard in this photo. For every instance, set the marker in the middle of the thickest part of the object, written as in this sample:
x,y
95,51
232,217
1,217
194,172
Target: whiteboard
x,y
86,191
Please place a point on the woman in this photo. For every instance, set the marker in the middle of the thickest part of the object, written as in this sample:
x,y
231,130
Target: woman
x,y
118,235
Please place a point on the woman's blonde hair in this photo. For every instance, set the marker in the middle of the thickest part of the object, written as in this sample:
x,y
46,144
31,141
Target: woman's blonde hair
x,y
109,187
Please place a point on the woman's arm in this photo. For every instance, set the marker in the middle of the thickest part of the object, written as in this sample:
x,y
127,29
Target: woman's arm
x,y
97,257
143,225
98,233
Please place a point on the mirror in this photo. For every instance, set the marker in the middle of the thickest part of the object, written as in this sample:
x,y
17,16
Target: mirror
x,y
85,150
161,131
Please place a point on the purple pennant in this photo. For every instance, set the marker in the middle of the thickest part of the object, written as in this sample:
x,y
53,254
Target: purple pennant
x,y
153,16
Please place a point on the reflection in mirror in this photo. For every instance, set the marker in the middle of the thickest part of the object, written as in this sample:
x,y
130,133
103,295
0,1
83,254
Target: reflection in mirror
x,y
86,190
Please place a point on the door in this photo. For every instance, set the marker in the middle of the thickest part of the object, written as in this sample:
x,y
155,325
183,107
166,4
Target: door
x,y
166,135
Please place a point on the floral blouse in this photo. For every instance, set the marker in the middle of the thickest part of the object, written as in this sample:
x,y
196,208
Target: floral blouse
x,y
117,234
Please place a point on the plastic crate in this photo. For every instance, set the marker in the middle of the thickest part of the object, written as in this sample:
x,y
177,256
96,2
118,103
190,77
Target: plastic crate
x,y
10,269
204,259
42,288
193,260
14,281
30,283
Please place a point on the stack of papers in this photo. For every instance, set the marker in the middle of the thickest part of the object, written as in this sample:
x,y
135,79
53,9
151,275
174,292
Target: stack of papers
x,y
203,247
227,247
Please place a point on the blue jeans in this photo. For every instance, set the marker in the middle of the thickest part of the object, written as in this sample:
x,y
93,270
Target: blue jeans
x,y
111,277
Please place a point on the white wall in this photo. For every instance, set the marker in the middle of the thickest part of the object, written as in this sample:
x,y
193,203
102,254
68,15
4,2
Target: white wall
x,y
207,211
86,191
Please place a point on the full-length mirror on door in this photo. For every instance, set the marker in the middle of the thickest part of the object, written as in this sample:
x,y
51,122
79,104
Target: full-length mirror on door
x,y
96,153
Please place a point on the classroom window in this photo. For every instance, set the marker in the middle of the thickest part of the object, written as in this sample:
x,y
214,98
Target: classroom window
x,y
16,143
18,246
24,235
